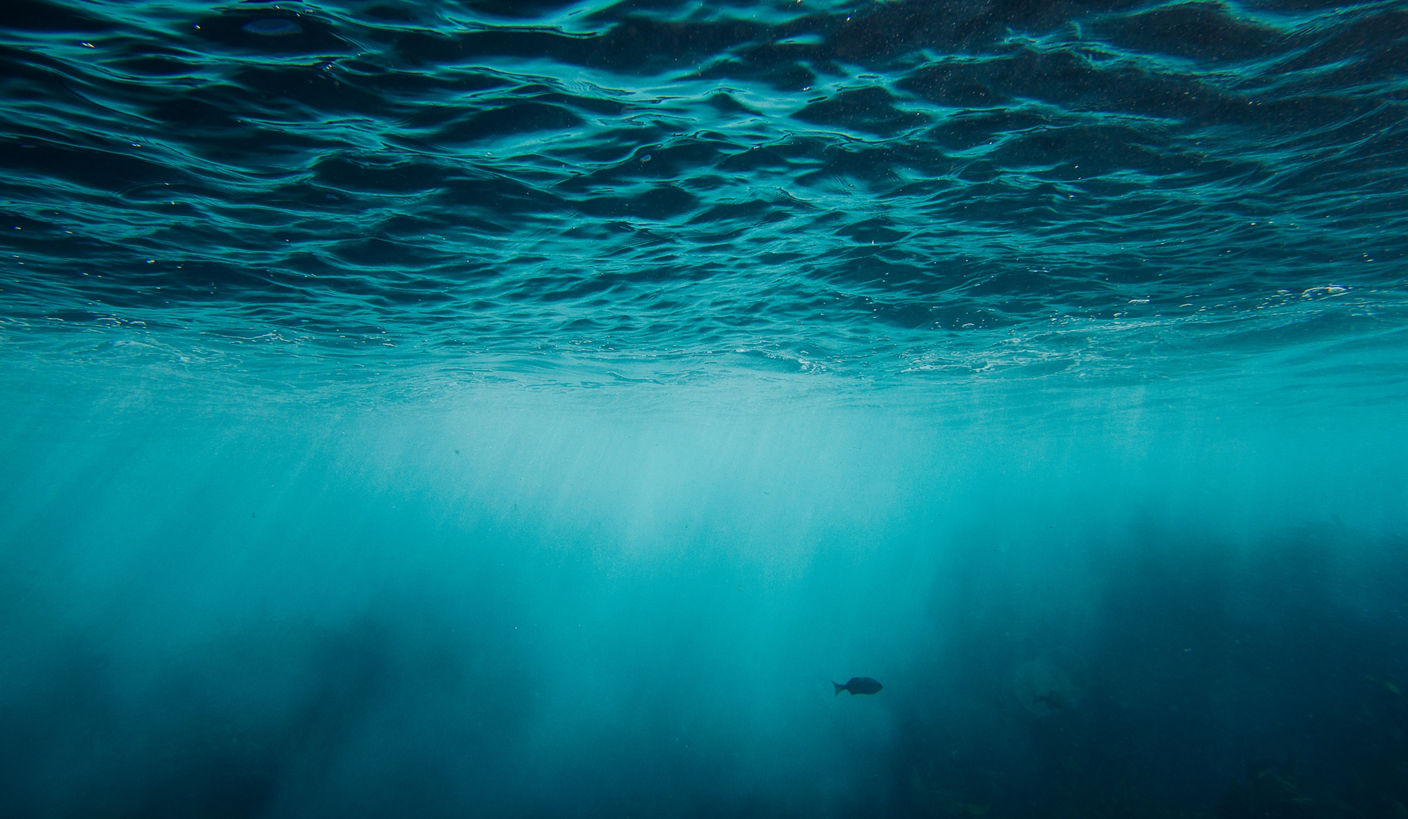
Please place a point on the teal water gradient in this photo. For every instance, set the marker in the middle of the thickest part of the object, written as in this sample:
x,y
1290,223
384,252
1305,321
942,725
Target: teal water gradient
x,y
528,409
520,603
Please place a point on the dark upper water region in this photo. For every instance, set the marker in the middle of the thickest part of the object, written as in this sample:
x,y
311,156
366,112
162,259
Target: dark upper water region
x,y
875,189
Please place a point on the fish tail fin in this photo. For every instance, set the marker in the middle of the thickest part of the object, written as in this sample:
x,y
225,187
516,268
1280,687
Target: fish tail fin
x,y
839,688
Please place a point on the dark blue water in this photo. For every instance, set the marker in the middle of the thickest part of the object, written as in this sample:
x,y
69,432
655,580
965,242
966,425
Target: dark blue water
x,y
530,408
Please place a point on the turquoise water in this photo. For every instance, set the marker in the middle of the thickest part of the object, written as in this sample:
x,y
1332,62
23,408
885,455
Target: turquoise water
x,y
531,408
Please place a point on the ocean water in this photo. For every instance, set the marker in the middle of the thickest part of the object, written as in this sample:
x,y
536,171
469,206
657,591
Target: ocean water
x,y
532,407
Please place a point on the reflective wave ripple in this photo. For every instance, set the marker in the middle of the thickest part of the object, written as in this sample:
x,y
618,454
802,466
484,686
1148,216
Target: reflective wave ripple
x,y
666,190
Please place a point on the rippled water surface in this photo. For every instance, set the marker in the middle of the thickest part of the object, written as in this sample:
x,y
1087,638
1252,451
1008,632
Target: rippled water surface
x,y
875,193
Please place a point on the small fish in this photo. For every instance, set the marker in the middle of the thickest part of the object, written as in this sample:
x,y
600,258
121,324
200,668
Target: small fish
x,y
858,685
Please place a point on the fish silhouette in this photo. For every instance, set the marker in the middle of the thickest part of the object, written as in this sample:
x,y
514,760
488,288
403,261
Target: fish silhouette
x,y
858,685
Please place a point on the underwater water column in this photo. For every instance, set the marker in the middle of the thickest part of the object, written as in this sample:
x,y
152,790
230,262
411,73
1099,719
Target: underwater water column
x,y
818,408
